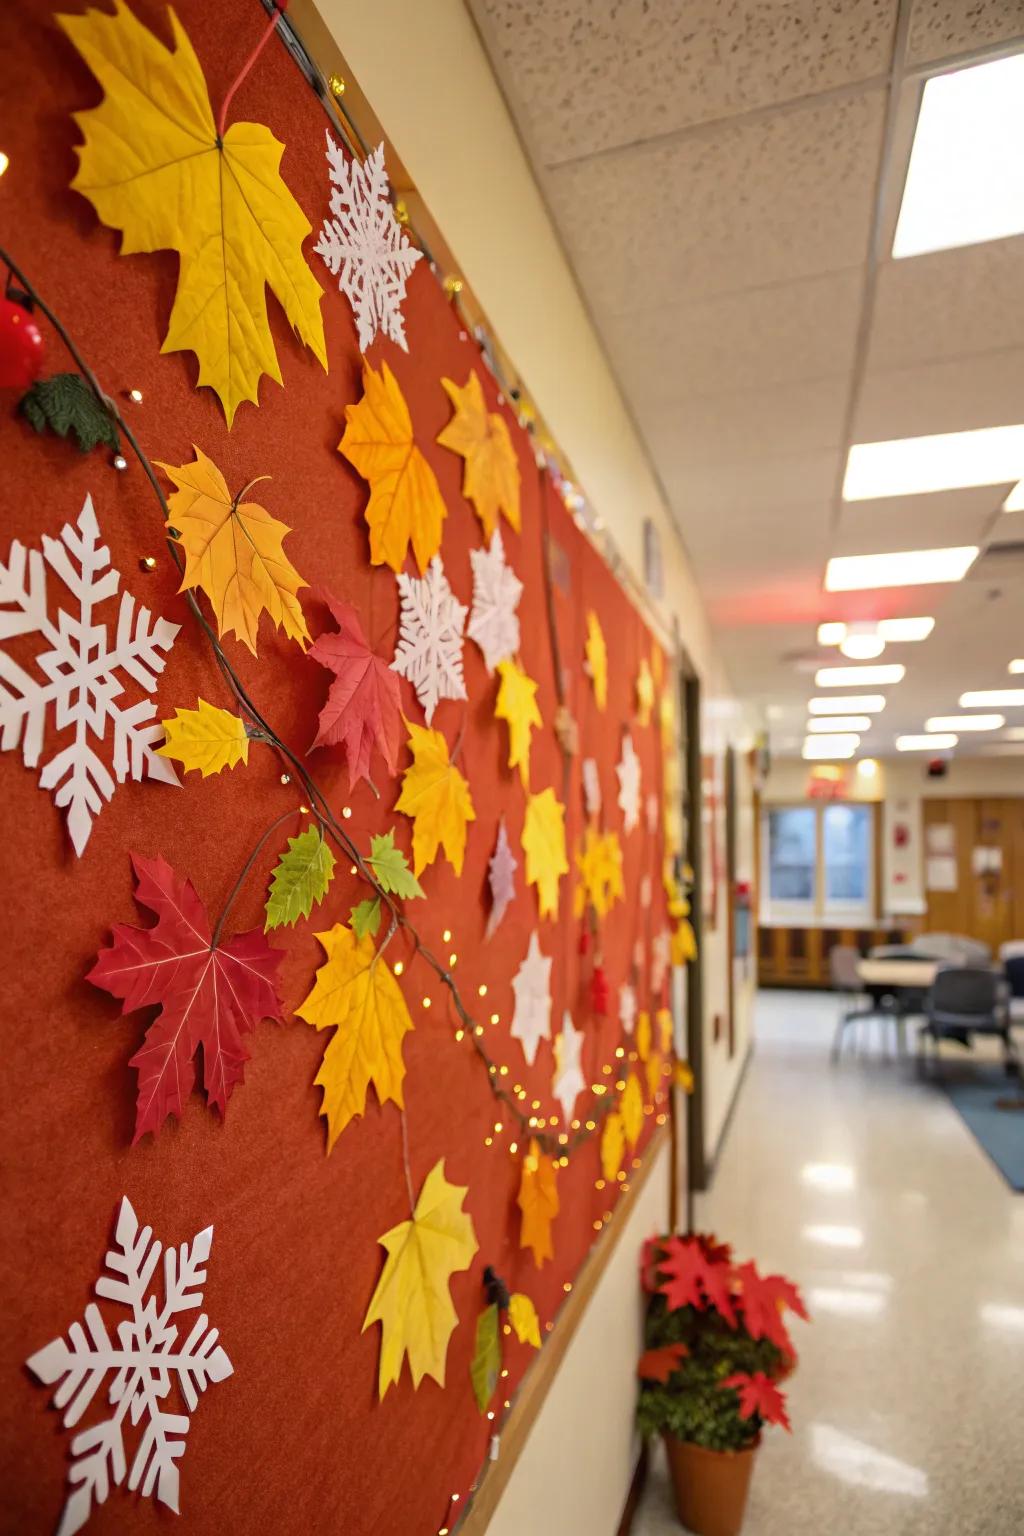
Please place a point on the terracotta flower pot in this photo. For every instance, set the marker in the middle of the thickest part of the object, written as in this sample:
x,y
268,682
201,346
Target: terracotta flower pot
x,y
711,1487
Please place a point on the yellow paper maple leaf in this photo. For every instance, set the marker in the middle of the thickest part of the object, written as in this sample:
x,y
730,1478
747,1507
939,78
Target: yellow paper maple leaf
x,y
356,995
405,504
205,738
613,1146
234,552
522,1314
517,703
538,1201
631,1108
644,693
154,167
543,843
596,653
437,797
490,479
684,944
643,1034
600,871
412,1301
655,1072
663,1019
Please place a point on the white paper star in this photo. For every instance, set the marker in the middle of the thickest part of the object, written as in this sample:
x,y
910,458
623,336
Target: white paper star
x,y
429,651
364,245
531,1021
628,775
627,1007
569,1081
493,622
661,954
591,787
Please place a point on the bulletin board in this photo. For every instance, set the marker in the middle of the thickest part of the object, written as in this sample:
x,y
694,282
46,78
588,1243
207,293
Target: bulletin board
x,y
297,1436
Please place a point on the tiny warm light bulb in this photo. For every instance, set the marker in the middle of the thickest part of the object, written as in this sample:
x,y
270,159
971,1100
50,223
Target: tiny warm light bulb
x,y
606,1069
567,1287
482,989
619,1052
503,1071
478,1029
346,811
453,960
535,1104
459,1033
5,161
337,86
575,1125
497,1126
426,1002
599,1183
286,778
147,563
135,395
495,1018
591,1125
399,964
513,1146
447,935
488,1141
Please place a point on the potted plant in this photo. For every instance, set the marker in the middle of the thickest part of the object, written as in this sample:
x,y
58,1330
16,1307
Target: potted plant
x,y
717,1348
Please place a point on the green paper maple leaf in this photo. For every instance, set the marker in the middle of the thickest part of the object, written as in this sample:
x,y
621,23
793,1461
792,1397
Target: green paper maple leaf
x,y
365,919
300,880
65,403
391,867
486,1362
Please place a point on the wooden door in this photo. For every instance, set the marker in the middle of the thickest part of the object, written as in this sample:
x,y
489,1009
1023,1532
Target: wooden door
x,y
992,890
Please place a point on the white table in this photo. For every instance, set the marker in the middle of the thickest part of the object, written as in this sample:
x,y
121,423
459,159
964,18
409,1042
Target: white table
x,y
916,975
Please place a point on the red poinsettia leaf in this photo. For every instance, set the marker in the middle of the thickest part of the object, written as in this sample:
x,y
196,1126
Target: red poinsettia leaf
x,y
757,1298
208,997
717,1282
658,1364
785,1294
688,1280
363,708
714,1251
759,1394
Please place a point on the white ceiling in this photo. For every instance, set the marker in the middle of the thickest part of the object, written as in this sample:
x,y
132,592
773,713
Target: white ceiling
x,y
726,176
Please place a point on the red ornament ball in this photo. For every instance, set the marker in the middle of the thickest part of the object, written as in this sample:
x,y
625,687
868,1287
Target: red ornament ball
x,y
21,346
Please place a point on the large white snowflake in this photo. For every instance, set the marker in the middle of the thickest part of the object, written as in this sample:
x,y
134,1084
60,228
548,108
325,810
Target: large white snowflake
x,y
531,1020
628,774
627,1007
364,245
591,786
85,673
430,626
569,1081
493,621
142,1362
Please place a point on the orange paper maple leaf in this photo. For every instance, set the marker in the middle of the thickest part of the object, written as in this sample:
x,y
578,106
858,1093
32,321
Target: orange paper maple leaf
x,y
405,505
538,1201
490,479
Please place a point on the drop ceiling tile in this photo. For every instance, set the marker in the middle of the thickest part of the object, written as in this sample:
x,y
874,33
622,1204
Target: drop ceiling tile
x,y
737,206
949,304
939,29
767,488
952,396
787,420
937,521
754,339
592,74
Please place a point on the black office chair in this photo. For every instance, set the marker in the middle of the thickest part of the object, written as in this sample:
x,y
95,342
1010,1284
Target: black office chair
x,y
965,1001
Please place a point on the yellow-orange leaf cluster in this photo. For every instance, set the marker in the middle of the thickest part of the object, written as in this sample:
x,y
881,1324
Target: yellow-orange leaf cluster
x,y
538,1202
490,479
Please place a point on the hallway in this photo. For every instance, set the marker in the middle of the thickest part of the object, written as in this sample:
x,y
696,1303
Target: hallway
x,y
865,1186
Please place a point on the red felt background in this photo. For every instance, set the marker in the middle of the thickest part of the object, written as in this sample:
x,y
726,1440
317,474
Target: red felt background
x,y
295,1440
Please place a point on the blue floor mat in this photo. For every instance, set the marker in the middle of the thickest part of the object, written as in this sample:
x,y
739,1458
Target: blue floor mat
x,y
999,1131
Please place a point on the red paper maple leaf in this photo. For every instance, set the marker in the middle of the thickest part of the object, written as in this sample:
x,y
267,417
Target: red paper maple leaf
x,y
761,1299
208,997
759,1394
600,993
691,1281
363,708
658,1364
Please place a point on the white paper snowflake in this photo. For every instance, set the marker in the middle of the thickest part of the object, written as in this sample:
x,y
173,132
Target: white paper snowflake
x,y
628,774
661,957
591,787
627,1007
364,245
429,651
85,674
493,622
569,1081
143,1361
531,1020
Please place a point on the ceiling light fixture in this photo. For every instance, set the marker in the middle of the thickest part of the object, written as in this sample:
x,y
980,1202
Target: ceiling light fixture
x,y
862,646
961,187
1015,501
867,768
992,698
861,703
903,568
938,743
903,630
945,461
831,634
1017,665
849,677
965,722
842,745
822,723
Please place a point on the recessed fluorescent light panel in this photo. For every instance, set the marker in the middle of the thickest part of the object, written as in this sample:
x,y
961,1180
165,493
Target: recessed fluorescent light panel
x,y
1015,501
992,698
965,722
842,745
962,185
937,743
904,568
849,677
948,461
861,703
839,723
1017,665
901,630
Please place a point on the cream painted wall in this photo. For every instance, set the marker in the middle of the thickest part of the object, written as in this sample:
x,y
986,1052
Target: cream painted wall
x,y
427,77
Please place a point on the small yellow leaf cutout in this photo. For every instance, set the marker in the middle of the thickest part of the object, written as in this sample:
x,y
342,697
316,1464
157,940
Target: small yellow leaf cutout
x,y
667,720
543,842
154,166
631,1108
644,693
600,872
522,1314
663,1019
517,704
597,658
234,552
684,1076
356,994
405,506
658,666
412,1301
437,797
206,739
655,1072
643,1035
613,1146
684,944
490,478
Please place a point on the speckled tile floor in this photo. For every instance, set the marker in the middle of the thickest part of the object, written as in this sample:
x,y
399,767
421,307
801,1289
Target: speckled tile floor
x,y
864,1185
